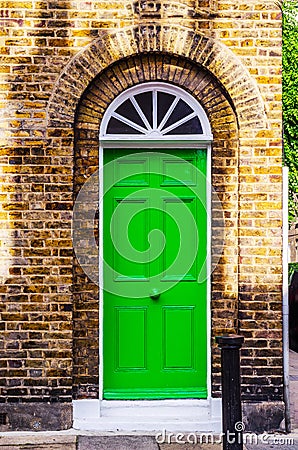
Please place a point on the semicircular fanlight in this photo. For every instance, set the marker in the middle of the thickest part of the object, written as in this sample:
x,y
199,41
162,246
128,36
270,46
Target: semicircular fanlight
x,y
154,113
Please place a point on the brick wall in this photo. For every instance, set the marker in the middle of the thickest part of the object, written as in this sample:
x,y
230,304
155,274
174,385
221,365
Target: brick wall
x,y
50,53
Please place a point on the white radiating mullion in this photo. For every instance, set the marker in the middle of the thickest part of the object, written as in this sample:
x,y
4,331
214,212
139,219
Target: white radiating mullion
x,y
180,122
168,113
130,123
154,105
140,112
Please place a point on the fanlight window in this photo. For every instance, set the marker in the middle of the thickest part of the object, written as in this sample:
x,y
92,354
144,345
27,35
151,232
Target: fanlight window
x,y
155,110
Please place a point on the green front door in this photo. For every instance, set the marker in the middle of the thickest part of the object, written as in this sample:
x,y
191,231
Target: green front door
x,y
155,247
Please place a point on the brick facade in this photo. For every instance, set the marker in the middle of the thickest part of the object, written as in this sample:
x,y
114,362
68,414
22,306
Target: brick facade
x,y
58,61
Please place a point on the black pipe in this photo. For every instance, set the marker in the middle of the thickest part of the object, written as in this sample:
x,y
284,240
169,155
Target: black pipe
x,y
231,394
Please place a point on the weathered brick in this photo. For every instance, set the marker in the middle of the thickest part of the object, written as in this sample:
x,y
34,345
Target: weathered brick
x,y
58,79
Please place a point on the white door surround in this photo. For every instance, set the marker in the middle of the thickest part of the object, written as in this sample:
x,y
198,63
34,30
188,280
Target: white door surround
x,y
187,415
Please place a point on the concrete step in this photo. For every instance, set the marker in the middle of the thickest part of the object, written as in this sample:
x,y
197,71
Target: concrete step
x,y
152,408
146,424
187,415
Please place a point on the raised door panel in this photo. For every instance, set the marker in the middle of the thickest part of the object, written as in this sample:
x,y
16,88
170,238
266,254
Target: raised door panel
x,y
178,338
131,338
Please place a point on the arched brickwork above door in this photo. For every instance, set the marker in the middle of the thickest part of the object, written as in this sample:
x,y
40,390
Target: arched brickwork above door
x,y
171,40
156,67
214,99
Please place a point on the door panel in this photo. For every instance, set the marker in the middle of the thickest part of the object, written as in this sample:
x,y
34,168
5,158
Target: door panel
x,y
178,338
155,244
131,330
173,268
126,240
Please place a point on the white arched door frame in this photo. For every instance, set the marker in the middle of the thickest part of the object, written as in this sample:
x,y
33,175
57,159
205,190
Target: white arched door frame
x,y
154,135
155,130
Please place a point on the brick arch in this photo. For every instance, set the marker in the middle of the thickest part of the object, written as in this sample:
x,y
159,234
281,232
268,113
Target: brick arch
x,y
147,67
106,86
168,39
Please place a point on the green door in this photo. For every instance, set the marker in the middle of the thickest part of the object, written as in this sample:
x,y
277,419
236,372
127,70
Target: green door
x,y
155,247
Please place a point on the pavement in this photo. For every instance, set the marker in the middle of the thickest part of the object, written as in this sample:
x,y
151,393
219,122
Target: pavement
x,y
81,440
74,440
